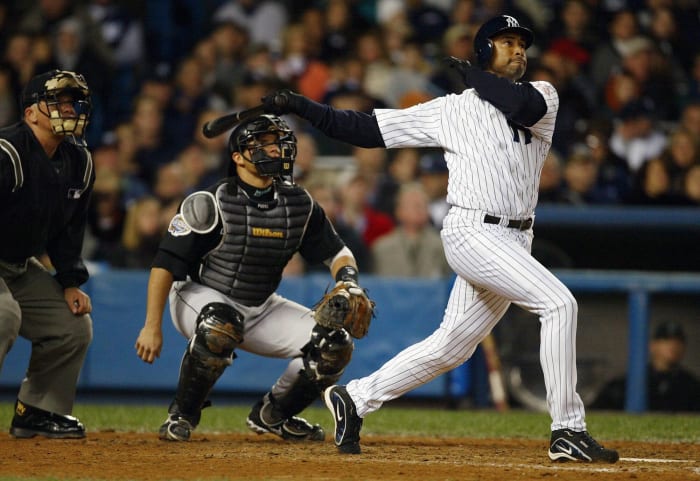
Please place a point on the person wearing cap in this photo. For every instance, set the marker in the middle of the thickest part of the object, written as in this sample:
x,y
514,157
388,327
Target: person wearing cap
x,y
670,387
46,179
494,136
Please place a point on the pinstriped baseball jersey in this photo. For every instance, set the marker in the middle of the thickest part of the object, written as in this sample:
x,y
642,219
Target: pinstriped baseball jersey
x,y
494,165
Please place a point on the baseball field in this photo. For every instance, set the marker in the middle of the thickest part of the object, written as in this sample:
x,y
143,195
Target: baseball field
x,y
399,442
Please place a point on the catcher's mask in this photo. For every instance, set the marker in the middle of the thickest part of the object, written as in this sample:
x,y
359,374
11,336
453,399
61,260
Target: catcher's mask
x,y
246,139
51,89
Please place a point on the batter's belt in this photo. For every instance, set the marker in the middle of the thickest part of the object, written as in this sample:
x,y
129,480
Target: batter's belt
x,y
520,224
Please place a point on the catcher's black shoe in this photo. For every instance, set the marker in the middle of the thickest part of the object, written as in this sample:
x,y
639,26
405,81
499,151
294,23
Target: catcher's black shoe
x,y
261,421
176,428
29,421
568,445
347,422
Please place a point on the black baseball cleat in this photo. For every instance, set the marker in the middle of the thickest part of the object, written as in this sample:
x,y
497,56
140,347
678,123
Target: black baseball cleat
x,y
29,421
176,428
294,428
568,445
347,422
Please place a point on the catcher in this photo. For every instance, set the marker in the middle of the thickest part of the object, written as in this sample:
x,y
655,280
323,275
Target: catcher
x,y
220,264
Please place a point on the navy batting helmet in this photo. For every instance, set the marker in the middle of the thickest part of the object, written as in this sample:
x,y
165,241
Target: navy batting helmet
x,y
483,46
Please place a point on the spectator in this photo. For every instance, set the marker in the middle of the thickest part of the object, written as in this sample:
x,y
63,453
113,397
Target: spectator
x,y
607,55
402,169
143,230
692,185
297,66
327,198
653,75
170,186
213,150
414,247
230,42
151,148
340,26
304,172
195,170
576,98
652,185
580,174
8,96
694,80
614,178
71,51
357,212
681,153
456,42
264,19
551,179
123,34
670,387
574,23
636,138
690,116
19,57
189,99
433,176
106,216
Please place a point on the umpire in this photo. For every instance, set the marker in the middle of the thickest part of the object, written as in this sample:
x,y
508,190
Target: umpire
x,y
46,177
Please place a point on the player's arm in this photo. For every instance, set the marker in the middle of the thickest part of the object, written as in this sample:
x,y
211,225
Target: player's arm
x,y
150,340
179,253
520,102
321,244
353,127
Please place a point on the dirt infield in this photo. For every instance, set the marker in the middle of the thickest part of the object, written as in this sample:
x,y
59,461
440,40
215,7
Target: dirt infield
x,y
138,456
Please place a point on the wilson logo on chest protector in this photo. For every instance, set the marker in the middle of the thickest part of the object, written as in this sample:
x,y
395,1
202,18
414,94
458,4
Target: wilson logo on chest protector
x,y
267,232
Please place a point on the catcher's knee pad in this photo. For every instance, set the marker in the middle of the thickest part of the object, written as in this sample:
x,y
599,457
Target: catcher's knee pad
x,y
219,330
327,353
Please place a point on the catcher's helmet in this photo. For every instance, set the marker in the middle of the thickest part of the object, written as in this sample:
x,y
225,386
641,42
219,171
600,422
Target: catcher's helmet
x,y
55,87
483,46
245,138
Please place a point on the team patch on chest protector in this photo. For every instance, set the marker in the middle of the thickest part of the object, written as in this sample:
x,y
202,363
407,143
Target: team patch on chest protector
x,y
178,227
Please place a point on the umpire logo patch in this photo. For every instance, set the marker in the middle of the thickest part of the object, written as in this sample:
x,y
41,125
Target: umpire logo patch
x,y
178,227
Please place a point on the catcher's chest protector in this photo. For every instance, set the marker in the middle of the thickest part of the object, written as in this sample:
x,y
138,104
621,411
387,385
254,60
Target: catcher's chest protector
x,y
247,265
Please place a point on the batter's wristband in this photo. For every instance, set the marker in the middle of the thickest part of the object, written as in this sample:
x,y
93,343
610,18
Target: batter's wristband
x,y
347,274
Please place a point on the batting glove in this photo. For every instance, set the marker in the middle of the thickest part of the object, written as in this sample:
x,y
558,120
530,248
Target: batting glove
x,y
463,68
282,102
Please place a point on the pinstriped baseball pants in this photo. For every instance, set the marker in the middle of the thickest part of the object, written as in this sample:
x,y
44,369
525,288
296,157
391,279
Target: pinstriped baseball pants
x,y
494,269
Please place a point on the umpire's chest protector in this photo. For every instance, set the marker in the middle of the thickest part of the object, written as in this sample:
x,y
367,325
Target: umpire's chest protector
x,y
258,240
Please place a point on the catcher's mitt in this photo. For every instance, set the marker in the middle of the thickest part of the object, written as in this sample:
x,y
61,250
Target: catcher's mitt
x,y
345,306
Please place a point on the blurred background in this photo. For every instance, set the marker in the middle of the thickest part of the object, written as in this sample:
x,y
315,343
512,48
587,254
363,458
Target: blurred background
x,y
618,216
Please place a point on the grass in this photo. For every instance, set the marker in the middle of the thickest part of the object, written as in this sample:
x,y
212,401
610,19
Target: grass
x,y
396,420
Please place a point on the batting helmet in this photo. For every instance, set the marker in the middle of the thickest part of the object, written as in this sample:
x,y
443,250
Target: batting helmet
x,y
245,138
483,46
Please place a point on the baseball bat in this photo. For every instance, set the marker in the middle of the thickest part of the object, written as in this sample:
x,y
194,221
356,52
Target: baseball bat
x,y
222,124
493,365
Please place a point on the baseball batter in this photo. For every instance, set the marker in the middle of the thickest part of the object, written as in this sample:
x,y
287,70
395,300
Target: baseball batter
x,y
495,136
220,264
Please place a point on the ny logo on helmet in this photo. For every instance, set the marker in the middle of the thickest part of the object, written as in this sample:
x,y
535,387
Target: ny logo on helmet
x,y
512,22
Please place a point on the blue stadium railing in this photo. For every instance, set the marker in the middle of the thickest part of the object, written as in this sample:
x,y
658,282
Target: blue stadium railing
x,y
408,310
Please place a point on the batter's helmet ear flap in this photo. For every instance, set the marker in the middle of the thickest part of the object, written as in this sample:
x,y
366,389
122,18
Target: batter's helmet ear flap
x,y
484,53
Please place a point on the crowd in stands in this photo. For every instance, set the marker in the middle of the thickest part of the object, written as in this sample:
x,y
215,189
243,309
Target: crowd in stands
x,y
627,73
